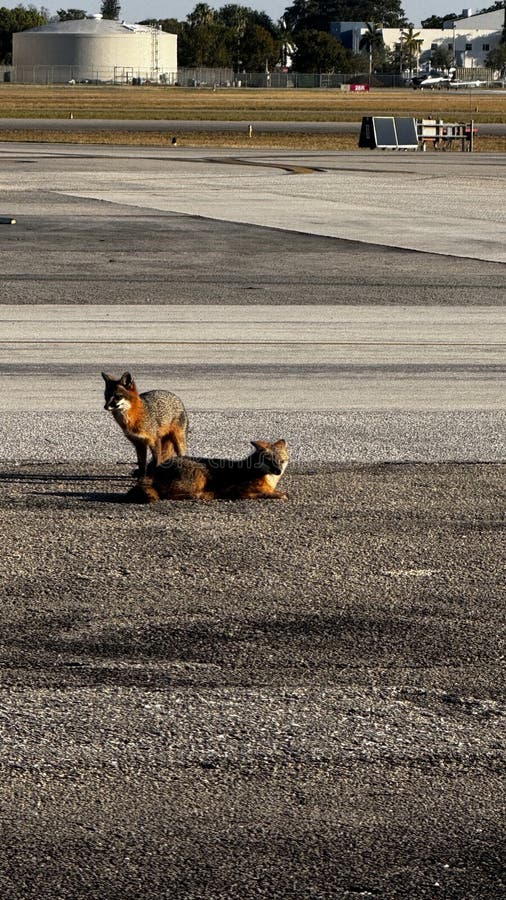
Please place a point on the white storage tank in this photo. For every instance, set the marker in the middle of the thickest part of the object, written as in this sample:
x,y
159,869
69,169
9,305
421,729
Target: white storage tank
x,y
98,48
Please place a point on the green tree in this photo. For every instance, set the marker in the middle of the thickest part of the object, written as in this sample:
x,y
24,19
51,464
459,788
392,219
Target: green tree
x,y
234,16
496,59
372,42
411,42
68,15
201,15
391,60
317,15
265,21
171,26
21,18
495,6
236,19
441,58
438,21
318,51
255,36
110,9
302,15
204,40
260,49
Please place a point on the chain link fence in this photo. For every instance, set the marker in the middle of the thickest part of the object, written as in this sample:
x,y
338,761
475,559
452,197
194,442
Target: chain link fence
x,y
201,77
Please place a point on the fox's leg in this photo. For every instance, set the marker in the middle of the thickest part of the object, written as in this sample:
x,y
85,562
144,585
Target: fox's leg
x,y
255,493
157,451
142,457
181,492
190,489
174,443
167,451
142,492
179,440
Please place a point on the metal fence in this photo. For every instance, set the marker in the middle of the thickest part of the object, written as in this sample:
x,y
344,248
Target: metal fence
x,y
82,75
185,77
208,77
194,77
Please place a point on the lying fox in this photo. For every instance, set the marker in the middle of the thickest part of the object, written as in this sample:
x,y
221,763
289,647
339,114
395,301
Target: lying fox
x,y
187,478
155,419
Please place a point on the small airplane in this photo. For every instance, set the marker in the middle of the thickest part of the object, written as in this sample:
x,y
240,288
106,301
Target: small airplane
x,y
433,80
467,84
437,80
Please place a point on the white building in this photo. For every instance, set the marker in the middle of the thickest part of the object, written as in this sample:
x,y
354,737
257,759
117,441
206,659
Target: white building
x,y
469,47
97,49
469,38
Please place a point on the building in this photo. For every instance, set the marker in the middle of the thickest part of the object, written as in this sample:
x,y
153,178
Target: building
x,y
95,49
469,38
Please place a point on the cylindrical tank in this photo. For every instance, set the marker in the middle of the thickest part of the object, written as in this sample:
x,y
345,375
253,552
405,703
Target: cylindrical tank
x,y
97,45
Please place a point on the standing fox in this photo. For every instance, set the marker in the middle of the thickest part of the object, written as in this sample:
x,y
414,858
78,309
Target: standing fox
x,y
187,478
155,419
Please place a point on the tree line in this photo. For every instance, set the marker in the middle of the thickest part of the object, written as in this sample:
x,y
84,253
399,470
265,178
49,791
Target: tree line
x,y
243,39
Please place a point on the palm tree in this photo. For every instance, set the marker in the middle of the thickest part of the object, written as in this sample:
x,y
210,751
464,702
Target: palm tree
x,y
236,18
201,15
372,39
110,9
412,42
287,41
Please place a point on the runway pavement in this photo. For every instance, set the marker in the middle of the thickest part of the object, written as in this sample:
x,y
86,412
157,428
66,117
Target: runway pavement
x,y
254,701
169,264
175,126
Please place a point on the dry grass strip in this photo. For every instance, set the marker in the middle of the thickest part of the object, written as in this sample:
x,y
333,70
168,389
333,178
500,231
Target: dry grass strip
x,y
244,104
274,141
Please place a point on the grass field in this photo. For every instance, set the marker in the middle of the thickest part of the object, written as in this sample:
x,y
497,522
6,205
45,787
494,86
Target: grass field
x,y
102,102
247,105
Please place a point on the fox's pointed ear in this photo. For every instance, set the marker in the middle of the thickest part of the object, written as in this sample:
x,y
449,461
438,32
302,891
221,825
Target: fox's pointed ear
x,y
126,380
106,377
280,443
260,445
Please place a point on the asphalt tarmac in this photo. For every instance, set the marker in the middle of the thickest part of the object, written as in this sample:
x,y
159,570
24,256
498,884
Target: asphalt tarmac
x,y
285,699
175,126
294,699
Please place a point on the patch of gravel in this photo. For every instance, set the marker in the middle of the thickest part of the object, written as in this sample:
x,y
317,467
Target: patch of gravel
x,y
347,436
